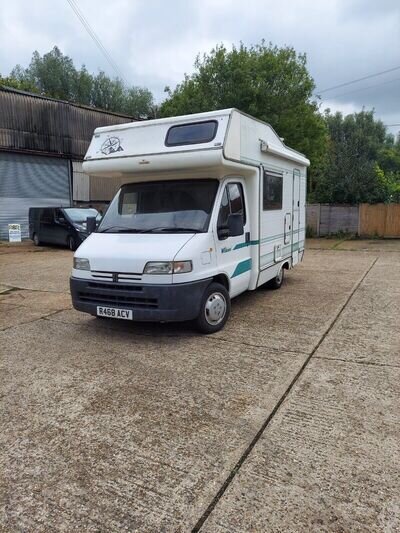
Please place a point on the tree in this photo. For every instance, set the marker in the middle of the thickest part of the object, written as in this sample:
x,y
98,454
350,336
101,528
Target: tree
x,y
55,75
268,82
359,161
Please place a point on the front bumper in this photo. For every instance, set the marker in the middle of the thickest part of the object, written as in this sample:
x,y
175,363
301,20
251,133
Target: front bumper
x,y
152,303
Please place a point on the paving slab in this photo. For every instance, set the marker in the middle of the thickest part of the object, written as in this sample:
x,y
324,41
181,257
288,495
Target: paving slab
x,y
327,462
46,271
101,428
22,306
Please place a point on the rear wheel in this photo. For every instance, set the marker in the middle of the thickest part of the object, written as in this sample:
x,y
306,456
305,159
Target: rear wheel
x,y
72,244
214,310
36,240
276,282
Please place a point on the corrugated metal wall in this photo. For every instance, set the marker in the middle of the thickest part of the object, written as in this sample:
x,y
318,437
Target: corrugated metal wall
x,y
81,183
39,124
103,189
30,181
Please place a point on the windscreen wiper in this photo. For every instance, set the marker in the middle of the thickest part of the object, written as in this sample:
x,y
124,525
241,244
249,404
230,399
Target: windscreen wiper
x,y
119,229
124,229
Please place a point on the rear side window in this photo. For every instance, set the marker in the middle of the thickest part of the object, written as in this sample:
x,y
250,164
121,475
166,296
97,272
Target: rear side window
x,y
272,194
195,133
47,216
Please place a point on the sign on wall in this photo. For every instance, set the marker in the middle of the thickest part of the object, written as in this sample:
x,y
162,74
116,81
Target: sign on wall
x,y
14,232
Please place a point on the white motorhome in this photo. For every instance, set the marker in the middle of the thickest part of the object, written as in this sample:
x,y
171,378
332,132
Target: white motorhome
x,y
213,205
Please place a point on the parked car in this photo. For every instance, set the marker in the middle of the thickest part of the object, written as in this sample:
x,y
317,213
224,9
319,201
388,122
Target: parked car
x,y
60,225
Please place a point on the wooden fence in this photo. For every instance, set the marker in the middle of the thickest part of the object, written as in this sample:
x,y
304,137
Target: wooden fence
x,y
382,220
378,220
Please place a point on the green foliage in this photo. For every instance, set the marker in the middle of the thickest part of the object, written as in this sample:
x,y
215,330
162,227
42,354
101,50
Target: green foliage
x,y
55,75
362,162
268,82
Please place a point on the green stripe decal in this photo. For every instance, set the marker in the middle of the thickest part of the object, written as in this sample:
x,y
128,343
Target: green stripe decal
x,y
245,244
242,267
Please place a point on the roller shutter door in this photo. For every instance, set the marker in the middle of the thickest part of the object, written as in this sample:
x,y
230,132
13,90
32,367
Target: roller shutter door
x,y
30,181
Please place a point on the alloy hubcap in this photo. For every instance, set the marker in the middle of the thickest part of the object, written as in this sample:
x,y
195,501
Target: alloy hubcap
x,y
215,308
279,277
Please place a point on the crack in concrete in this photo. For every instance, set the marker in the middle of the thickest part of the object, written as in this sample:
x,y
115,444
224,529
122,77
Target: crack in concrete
x,y
43,317
372,363
199,524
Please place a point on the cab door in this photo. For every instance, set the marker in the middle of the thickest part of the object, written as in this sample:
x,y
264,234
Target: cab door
x,y
234,254
60,228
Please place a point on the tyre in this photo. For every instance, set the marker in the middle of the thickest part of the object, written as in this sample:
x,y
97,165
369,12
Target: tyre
x,y
36,240
215,309
276,282
72,244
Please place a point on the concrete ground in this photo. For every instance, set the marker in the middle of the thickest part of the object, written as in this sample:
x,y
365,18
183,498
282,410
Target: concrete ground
x,y
287,420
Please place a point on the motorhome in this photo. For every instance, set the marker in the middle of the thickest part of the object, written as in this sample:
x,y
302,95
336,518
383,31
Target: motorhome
x,y
212,205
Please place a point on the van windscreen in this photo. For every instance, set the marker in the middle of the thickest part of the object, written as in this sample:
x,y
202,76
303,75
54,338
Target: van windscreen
x,y
194,133
79,214
163,206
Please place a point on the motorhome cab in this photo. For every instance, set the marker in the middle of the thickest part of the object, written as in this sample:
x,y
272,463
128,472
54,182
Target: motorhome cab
x,y
213,205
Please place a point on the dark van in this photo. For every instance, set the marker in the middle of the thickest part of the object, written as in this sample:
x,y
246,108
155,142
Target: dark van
x,y
60,225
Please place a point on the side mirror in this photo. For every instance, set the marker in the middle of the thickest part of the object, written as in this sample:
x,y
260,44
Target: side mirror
x,y
61,220
91,224
235,225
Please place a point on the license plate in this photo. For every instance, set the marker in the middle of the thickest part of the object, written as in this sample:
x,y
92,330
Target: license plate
x,y
115,312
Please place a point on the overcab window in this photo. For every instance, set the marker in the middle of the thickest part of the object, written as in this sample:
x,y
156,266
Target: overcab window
x,y
195,133
272,194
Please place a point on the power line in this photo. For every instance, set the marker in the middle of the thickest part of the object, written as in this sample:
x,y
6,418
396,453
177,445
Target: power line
x,y
365,88
391,125
359,79
95,38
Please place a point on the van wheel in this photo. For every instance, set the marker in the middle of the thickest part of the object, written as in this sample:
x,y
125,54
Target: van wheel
x,y
276,282
214,310
36,240
72,244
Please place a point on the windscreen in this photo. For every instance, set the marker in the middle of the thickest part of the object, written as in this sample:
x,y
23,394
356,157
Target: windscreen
x,y
79,215
163,206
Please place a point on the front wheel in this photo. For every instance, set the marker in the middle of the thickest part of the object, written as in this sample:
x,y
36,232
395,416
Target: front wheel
x,y
214,310
36,240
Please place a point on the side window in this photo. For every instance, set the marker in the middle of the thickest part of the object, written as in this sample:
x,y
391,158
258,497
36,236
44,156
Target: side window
x,y
58,214
232,203
224,210
236,199
46,216
272,193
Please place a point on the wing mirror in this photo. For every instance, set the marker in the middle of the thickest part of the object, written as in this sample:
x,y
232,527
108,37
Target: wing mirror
x,y
235,225
91,224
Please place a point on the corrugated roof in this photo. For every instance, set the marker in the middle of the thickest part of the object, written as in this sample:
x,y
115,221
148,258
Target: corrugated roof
x,y
34,123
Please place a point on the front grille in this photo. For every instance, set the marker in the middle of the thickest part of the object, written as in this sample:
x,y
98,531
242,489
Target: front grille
x,y
115,276
115,295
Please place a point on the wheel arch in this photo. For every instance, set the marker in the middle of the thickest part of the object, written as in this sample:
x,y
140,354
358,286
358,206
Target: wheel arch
x,y
223,280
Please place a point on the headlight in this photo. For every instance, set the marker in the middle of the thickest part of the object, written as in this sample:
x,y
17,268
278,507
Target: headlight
x,y
168,267
81,264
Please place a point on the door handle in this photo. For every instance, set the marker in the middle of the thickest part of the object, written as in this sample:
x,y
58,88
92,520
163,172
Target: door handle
x,y
247,236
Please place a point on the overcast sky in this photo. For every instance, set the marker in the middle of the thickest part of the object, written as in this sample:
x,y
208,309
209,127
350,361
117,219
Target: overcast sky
x,y
155,42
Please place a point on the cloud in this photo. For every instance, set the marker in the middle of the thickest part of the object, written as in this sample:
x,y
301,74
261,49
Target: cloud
x,y
156,42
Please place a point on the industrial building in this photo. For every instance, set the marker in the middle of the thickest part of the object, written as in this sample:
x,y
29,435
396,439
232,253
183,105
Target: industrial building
x,y
42,145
